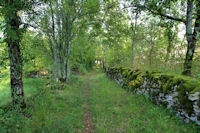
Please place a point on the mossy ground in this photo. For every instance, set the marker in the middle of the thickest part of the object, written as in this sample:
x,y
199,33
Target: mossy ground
x,y
112,109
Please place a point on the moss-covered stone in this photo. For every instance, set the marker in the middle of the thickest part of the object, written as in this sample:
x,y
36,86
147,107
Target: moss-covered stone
x,y
175,91
155,93
196,89
136,83
134,75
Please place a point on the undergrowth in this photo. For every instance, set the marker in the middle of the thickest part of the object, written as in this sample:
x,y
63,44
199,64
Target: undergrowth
x,y
50,108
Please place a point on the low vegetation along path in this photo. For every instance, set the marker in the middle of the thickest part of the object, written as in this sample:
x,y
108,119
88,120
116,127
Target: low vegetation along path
x,y
93,103
110,109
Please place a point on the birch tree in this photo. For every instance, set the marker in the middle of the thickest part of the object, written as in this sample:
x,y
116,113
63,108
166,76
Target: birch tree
x,y
62,22
14,29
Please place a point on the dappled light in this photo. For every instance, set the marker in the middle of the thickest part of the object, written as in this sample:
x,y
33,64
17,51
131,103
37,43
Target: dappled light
x,y
105,66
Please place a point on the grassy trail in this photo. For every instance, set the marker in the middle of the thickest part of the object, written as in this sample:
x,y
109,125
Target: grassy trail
x,y
113,110
92,103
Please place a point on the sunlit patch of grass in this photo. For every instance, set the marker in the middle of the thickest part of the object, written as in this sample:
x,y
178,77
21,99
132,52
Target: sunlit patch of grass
x,y
49,110
5,94
31,87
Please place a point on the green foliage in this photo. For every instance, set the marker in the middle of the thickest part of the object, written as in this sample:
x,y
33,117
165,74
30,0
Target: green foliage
x,y
83,53
84,32
82,69
35,52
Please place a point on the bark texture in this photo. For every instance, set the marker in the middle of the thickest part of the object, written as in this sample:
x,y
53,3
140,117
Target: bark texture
x,y
13,38
191,35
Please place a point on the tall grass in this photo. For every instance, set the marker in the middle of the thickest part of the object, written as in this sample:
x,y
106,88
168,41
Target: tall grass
x,y
49,109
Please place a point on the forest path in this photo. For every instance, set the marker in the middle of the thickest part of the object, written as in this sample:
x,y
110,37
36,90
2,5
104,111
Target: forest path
x,y
88,116
93,103
110,109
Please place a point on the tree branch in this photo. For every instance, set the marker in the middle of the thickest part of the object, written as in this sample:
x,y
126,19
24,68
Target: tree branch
x,y
166,16
157,13
197,23
30,25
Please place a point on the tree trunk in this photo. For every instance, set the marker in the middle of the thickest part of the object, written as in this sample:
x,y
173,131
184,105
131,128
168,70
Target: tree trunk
x,y
168,48
132,61
151,51
68,70
81,57
133,39
57,69
191,36
13,38
150,55
16,74
189,58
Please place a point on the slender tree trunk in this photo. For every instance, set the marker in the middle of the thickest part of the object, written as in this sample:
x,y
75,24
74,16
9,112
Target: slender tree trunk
x,y
168,48
133,39
189,58
81,58
103,63
190,47
132,60
151,52
57,69
191,35
150,55
68,70
13,38
55,42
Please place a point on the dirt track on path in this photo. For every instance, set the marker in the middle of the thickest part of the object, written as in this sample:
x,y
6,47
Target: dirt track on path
x,y
89,127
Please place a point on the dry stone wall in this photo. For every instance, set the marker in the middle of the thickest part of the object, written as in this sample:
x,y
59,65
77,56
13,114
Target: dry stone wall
x,y
179,93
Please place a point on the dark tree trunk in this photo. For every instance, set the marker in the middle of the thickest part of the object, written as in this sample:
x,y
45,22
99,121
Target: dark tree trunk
x,y
168,53
16,74
170,39
13,38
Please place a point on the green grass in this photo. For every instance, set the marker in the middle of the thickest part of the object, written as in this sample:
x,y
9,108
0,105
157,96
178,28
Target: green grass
x,y
59,110
48,110
31,87
113,109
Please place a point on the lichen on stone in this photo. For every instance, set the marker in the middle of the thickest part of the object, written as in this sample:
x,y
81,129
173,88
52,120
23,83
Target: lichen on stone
x,y
178,92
